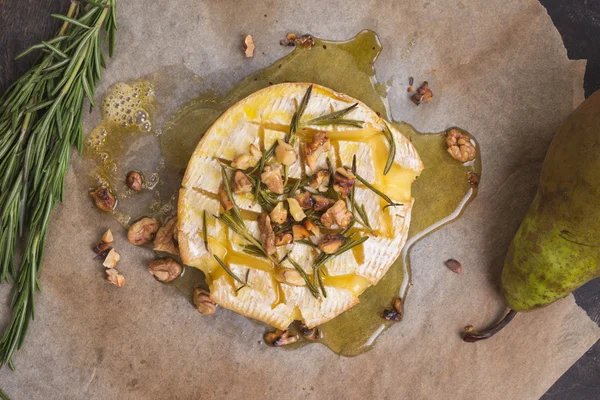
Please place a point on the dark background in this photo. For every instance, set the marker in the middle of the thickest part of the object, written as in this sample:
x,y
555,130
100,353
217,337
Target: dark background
x,y
26,22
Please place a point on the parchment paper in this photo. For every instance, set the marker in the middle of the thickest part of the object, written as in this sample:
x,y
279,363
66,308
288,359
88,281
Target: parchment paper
x,y
497,68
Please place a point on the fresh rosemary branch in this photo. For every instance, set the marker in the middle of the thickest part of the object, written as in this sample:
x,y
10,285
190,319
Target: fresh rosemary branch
x,y
378,192
313,289
358,208
392,143
246,281
229,271
335,118
204,230
40,120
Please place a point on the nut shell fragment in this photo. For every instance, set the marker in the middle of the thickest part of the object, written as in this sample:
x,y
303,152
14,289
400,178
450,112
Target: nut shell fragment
x,y
142,231
204,304
279,338
114,277
165,269
112,258
166,238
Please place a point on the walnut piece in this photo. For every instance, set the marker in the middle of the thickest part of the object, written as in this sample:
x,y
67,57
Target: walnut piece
x,y
320,180
292,40
267,236
165,269
283,238
204,304
331,242
343,181
166,238
114,277
104,245
320,144
311,227
279,214
134,181
423,93
272,178
284,153
249,46
279,338
305,200
142,231
225,201
290,276
454,266
337,214
322,203
395,313
103,198
112,258
247,160
459,146
295,209
241,183
313,334
299,232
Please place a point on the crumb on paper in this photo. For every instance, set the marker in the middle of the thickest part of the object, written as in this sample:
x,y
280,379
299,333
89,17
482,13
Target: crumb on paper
x,y
423,93
249,46
454,266
291,39
111,259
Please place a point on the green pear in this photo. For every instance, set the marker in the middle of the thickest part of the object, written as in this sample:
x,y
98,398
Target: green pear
x,y
557,247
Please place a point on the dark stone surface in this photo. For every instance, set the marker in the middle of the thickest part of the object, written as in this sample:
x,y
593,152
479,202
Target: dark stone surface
x,y
26,22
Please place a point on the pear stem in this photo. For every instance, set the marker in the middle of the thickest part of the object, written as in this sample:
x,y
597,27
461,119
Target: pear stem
x,y
472,337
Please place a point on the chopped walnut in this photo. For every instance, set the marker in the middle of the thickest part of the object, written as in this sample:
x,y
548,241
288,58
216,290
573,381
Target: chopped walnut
x,y
343,181
249,46
134,181
204,304
279,214
320,180
311,227
142,231
473,178
166,238
295,209
337,214
395,313
241,183
284,153
292,40
272,178
279,338
300,232
320,144
322,203
331,242
313,334
267,236
283,238
224,199
459,146
114,277
290,276
305,200
105,244
111,259
104,199
247,160
165,269
423,93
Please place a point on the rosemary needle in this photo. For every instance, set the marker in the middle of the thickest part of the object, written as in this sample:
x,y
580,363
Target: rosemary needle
x,y
40,120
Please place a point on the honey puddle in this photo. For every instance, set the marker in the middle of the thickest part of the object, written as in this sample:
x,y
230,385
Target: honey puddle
x,y
142,130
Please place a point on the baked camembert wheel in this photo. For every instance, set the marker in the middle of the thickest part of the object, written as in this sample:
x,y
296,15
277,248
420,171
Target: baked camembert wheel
x,y
295,201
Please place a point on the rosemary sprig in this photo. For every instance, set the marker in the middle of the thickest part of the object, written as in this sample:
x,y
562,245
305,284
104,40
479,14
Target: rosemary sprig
x,y
40,120
254,251
358,208
245,283
229,271
378,192
307,243
235,209
349,244
313,289
295,123
204,230
239,227
335,118
392,143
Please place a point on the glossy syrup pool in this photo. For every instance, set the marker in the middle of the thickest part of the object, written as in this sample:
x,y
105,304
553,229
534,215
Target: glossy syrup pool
x,y
161,155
